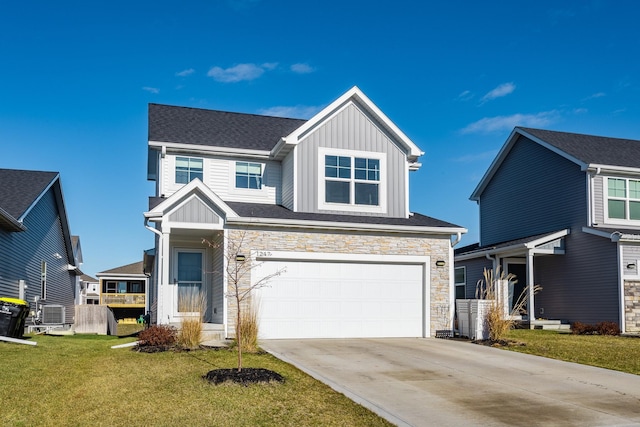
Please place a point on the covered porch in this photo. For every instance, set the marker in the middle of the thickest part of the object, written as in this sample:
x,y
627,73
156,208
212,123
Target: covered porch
x,y
518,257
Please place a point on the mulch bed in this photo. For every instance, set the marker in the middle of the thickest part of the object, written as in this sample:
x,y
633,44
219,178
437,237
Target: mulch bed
x,y
245,377
498,343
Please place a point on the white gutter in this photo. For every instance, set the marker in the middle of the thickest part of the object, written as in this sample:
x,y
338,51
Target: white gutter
x,y
209,150
458,238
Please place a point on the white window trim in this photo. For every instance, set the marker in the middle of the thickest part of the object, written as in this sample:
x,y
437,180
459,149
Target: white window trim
x,y
605,201
174,165
352,207
252,192
464,284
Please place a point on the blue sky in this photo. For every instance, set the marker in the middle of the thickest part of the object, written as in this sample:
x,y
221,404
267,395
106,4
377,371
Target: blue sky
x,y
455,76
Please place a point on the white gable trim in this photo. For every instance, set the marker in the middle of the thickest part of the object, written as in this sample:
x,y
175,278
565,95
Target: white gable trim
x,y
352,95
184,194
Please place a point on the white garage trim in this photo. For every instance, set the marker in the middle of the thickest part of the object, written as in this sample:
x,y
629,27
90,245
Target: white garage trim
x,y
423,262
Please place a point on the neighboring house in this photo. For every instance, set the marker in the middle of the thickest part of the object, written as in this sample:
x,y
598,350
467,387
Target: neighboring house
x,y
325,198
89,290
37,259
124,290
562,211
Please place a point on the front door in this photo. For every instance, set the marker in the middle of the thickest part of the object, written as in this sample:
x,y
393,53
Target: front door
x,y
519,269
189,284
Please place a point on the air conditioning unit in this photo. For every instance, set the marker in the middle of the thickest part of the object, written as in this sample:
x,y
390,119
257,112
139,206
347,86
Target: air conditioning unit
x,y
52,314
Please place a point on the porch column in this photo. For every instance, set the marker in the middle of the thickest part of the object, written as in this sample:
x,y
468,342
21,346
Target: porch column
x,y
531,303
163,280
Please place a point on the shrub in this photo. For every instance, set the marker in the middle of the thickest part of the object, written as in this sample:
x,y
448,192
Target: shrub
x,y
608,328
249,329
157,336
190,334
579,328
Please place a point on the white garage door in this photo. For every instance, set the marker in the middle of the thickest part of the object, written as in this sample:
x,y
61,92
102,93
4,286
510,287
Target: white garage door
x,y
341,300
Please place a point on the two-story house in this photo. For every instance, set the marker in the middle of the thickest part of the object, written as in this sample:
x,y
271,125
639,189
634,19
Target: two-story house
x,y
562,210
327,199
38,260
124,290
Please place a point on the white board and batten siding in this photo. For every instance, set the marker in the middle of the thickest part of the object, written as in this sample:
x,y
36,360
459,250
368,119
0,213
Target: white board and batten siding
x,y
343,296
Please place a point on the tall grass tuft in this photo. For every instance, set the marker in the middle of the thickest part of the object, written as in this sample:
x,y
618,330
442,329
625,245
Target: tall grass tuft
x,y
248,327
194,305
499,320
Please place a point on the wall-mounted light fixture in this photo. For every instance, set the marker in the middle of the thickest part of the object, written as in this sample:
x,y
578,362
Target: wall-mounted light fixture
x,y
240,258
57,256
631,266
440,263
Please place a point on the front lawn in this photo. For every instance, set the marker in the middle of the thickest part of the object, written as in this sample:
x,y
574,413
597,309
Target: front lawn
x,y
79,380
618,353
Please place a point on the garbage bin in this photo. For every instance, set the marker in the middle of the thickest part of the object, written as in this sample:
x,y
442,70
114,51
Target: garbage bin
x,y
13,313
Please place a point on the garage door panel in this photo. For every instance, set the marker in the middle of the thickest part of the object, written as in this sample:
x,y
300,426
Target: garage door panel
x,y
341,300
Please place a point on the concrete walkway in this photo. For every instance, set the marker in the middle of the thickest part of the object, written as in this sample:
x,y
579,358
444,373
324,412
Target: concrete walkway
x,y
434,382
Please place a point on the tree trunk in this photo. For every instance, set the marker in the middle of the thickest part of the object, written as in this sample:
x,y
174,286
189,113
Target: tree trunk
x,y
238,335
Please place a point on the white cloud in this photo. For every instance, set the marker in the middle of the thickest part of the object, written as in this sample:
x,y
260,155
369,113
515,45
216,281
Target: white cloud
x,y
240,72
502,90
302,68
501,123
465,96
270,65
185,73
151,89
595,95
299,111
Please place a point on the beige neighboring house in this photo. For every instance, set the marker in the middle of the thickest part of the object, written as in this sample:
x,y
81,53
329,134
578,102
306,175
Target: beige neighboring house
x,y
326,198
89,290
124,290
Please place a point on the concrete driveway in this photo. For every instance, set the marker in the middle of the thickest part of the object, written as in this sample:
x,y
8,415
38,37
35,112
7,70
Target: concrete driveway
x,y
434,382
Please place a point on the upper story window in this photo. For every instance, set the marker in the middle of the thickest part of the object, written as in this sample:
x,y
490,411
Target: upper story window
x,y
249,175
187,169
623,199
352,180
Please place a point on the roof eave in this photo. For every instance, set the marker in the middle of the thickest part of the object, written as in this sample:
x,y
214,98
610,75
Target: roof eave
x,y
208,149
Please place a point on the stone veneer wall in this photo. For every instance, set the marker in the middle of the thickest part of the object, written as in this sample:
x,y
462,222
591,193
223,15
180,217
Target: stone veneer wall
x,y
437,247
632,306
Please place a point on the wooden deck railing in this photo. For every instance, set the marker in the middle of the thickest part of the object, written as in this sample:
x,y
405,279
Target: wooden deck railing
x,y
122,300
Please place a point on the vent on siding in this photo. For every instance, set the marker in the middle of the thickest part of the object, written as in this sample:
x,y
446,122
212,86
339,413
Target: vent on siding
x,y
52,314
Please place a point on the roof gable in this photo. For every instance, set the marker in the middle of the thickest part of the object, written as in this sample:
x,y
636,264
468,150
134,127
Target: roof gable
x,y
584,150
20,189
129,269
362,102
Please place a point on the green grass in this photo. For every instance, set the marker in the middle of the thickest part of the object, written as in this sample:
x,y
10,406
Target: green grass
x,y
617,353
79,380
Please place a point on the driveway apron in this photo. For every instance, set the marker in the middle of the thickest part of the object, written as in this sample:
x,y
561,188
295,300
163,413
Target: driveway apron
x,y
434,382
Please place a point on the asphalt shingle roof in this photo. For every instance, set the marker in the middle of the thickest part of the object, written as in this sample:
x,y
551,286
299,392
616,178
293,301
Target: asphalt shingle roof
x,y
593,149
135,268
217,128
20,188
258,210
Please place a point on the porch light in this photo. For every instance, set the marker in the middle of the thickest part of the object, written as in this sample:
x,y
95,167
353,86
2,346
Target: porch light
x,y
240,258
440,263
631,266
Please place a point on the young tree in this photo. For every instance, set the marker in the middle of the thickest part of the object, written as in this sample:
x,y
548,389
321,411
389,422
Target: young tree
x,y
238,268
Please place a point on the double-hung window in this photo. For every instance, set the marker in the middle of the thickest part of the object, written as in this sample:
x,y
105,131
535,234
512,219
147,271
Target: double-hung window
x,y
623,199
187,169
249,175
352,179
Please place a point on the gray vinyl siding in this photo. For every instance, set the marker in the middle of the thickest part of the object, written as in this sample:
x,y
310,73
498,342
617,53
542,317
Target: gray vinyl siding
x,y
475,268
533,192
195,211
21,255
351,129
630,257
581,285
287,181
598,197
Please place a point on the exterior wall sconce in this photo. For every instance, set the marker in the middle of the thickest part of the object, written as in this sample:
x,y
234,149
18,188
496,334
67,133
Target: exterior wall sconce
x,y
240,258
631,266
57,256
440,263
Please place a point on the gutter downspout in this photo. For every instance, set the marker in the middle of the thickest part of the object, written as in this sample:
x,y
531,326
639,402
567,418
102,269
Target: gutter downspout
x,y
452,282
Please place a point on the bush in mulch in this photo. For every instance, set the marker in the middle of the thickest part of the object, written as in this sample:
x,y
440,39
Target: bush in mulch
x,y
157,338
245,377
